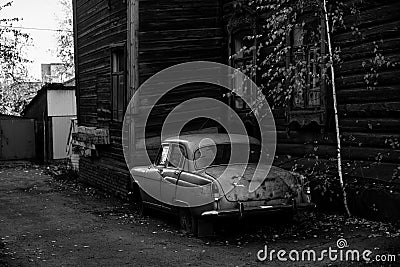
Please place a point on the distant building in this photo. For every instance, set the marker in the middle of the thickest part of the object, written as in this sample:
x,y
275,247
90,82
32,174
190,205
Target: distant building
x,y
53,73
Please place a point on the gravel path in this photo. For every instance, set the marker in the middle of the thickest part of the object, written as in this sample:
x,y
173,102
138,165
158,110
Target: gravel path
x,y
49,222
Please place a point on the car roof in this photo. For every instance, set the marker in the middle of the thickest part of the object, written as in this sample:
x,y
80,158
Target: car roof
x,y
193,140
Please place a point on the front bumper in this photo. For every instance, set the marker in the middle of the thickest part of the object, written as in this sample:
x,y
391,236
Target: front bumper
x,y
258,210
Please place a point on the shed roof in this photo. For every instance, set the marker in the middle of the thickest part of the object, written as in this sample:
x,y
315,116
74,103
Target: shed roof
x,y
11,117
45,88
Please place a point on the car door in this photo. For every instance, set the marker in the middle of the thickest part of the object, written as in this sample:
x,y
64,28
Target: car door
x,y
151,185
174,166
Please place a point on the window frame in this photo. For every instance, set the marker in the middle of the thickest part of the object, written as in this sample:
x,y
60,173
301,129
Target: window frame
x,y
243,22
118,52
314,86
182,165
236,62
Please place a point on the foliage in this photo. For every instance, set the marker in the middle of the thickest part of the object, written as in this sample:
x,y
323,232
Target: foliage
x,y
281,67
15,96
291,57
65,39
12,42
14,92
284,68
374,65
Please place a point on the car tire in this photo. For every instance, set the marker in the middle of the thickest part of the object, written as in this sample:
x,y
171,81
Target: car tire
x,y
187,222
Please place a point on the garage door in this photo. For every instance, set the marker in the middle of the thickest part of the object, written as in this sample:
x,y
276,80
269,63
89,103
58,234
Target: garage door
x,y
17,138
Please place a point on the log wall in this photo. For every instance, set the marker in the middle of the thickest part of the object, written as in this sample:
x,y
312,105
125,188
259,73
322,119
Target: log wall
x,y
177,31
170,32
369,114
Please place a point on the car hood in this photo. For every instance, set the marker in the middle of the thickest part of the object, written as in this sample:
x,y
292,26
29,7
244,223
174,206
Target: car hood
x,y
235,182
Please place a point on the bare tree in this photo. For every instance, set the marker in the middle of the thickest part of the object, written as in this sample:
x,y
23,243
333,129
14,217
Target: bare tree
x,y
12,66
65,38
12,43
284,51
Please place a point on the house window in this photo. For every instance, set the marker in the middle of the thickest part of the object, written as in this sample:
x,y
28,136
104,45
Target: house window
x,y
305,56
118,83
243,59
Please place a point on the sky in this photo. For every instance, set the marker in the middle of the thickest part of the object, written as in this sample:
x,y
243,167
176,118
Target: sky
x,y
40,14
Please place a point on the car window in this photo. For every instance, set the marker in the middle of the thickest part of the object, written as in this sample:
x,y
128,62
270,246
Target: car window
x,y
177,156
185,156
221,154
162,156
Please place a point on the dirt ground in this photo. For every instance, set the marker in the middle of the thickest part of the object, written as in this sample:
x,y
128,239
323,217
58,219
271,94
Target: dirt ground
x,y
50,222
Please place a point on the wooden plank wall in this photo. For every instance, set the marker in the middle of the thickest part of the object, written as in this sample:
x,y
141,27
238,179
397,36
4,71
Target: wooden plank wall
x,y
175,32
170,32
99,25
369,115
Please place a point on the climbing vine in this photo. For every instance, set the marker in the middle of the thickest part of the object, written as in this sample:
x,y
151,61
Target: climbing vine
x,y
289,46
374,66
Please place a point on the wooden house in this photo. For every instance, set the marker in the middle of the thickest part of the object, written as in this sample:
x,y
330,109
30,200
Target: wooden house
x,y
120,44
367,84
368,95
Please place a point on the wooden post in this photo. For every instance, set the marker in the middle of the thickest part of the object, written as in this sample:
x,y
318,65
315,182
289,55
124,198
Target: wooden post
x,y
133,70
44,137
76,62
132,49
339,157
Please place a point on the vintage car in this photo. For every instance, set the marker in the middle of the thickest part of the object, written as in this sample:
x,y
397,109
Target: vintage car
x,y
197,178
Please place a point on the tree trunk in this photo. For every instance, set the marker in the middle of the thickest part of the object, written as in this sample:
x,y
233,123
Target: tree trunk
x,y
339,158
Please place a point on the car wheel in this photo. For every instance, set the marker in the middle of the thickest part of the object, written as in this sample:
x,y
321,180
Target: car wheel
x,y
187,222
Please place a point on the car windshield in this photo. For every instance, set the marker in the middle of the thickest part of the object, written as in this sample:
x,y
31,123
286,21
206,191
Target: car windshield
x,y
220,154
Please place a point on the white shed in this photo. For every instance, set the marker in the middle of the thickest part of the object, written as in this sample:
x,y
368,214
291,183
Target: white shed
x,y
53,108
